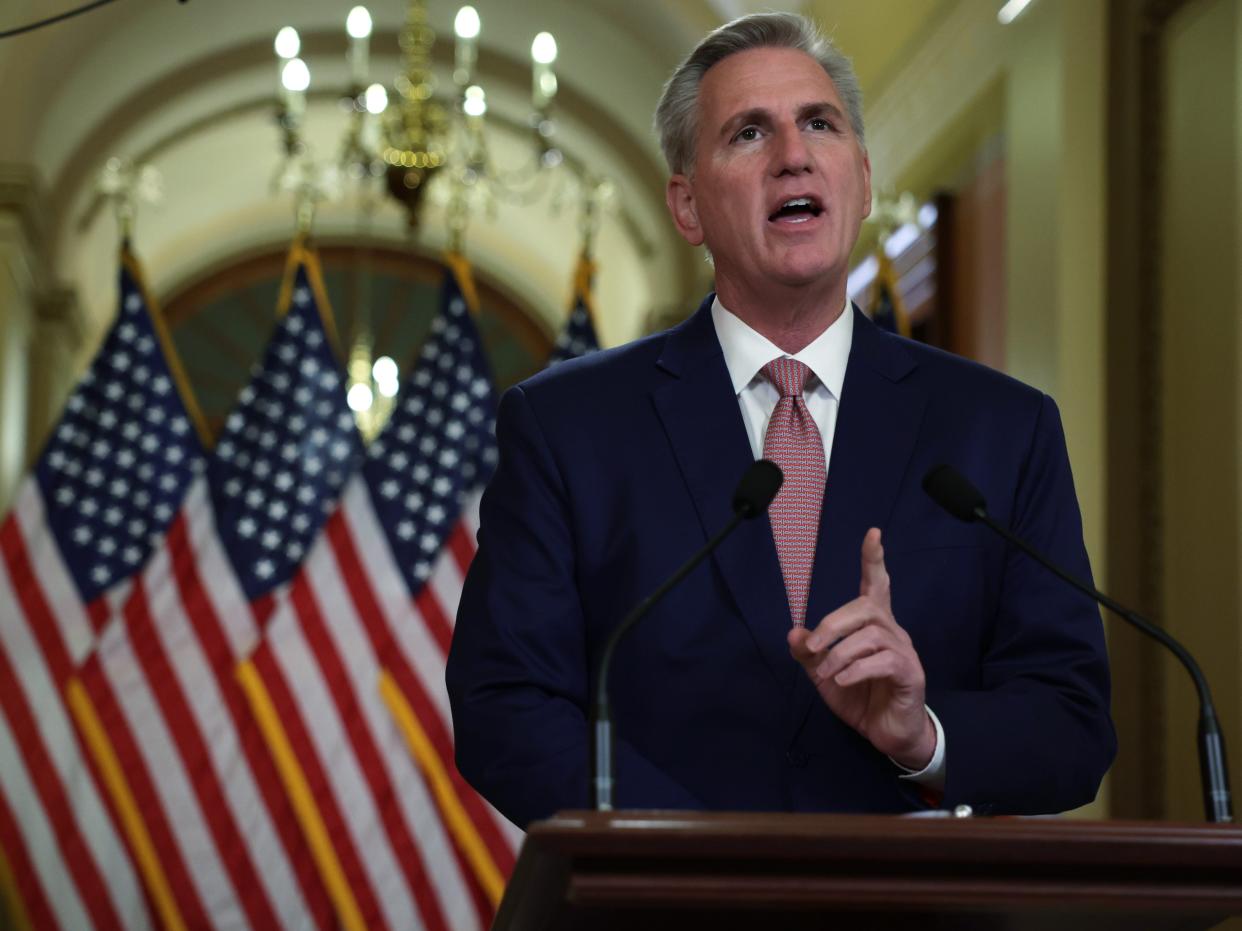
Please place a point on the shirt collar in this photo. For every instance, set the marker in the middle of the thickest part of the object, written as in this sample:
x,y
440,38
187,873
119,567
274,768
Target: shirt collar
x,y
746,351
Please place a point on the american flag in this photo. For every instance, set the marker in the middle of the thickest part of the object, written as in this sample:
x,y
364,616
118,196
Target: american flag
x,y
888,311
578,338
217,836
104,490
352,662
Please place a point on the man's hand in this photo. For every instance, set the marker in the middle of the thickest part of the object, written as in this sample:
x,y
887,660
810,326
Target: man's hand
x,y
866,670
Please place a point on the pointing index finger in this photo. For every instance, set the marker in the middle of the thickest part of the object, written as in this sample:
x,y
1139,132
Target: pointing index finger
x,y
875,582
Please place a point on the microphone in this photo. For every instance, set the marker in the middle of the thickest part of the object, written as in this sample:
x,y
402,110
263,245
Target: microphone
x,y
954,492
754,493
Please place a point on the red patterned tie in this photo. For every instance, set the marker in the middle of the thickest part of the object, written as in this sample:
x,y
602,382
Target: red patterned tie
x,y
793,443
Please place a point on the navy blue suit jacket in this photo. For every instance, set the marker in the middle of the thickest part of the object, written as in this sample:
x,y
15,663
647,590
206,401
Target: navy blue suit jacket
x,y
613,469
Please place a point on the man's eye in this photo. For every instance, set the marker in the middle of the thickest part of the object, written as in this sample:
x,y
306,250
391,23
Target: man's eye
x,y
749,134
820,124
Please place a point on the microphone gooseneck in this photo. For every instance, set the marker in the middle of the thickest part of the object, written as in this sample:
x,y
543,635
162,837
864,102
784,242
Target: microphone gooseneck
x,y
954,492
754,493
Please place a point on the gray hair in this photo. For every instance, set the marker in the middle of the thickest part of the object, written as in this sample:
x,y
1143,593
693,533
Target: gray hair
x,y
677,115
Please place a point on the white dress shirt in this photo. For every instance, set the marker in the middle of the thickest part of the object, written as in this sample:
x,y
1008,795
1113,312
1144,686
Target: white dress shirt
x,y
746,352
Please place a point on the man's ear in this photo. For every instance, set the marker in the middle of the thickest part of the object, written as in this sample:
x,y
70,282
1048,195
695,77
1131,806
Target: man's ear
x,y
866,164
679,195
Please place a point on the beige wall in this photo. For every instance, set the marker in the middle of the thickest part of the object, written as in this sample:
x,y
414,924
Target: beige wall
x,y
1200,299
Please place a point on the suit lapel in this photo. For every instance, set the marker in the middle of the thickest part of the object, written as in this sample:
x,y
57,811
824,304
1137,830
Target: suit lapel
x,y
704,425
877,428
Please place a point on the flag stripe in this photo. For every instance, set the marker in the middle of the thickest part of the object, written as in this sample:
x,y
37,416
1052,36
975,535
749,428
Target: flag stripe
x,y
48,573
435,618
23,883
341,688
447,577
361,553
10,892
99,612
133,708
197,556
321,821
149,649
445,792
335,776
33,602
241,767
49,756
131,785
485,821
158,884
32,778
347,609
357,563
227,630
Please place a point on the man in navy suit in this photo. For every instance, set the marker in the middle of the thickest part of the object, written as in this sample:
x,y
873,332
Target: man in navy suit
x,y
916,660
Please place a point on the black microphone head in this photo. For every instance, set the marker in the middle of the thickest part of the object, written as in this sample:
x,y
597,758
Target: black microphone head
x,y
758,487
953,492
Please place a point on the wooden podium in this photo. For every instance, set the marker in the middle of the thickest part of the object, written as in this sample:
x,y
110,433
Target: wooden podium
x,y
663,870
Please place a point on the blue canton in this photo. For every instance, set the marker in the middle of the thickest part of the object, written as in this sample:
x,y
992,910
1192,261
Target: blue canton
x,y
115,469
885,313
440,442
285,452
578,336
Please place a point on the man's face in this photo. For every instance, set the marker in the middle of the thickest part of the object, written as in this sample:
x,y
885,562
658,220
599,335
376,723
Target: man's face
x,y
780,182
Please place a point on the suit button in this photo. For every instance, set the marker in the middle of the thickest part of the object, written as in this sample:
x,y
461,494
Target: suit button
x,y
797,758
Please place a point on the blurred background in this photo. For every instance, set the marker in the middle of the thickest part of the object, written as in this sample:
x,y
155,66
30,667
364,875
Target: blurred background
x,y
1060,197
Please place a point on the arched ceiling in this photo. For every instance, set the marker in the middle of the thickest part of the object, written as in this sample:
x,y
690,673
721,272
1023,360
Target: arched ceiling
x,y
190,87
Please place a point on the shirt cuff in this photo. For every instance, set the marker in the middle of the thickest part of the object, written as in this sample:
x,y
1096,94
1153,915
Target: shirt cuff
x,y
930,776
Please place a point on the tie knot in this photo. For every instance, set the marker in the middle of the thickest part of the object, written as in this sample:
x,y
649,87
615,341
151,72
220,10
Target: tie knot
x,y
789,376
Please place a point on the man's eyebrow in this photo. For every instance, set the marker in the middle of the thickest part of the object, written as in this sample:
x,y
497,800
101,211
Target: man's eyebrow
x,y
821,108
745,118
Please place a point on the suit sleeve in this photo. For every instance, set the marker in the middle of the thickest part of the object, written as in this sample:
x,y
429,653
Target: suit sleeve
x,y
1036,736
519,669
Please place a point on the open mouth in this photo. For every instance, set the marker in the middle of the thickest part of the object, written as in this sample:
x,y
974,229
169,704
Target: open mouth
x,y
797,210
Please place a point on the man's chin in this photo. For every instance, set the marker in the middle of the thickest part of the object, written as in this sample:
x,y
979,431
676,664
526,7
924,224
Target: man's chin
x,y
809,274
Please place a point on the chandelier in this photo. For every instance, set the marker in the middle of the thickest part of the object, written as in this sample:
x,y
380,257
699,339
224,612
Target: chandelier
x,y
408,134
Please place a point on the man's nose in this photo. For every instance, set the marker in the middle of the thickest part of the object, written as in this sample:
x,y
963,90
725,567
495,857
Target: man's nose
x,y
791,155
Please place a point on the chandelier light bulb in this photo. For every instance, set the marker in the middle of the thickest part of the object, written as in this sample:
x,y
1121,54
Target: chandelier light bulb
x,y
359,398
543,49
287,43
384,371
475,103
467,23
376,99
295,76
358,23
